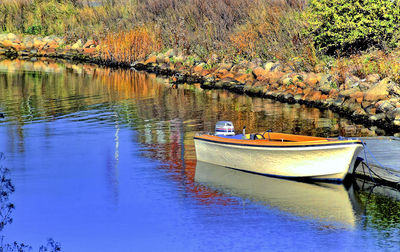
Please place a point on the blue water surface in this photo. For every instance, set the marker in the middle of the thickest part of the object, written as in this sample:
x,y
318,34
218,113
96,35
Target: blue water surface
x,y
110,176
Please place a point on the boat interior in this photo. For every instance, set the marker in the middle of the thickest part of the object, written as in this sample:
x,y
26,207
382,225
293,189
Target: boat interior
x,y
276,137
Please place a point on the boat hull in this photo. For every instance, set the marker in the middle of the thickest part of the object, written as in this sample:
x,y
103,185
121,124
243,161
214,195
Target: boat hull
x,y
323,162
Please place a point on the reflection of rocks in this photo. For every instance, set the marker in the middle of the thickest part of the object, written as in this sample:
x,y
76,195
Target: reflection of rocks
x,y
355,98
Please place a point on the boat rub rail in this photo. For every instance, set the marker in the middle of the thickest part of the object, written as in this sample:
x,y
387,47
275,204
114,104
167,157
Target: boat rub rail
x,y
278,140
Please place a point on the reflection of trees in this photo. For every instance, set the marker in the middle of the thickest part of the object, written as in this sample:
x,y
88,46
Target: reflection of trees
x,y
6,207
6,188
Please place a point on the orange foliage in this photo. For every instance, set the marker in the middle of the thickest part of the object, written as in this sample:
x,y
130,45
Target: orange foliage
x,y
244,42
129,46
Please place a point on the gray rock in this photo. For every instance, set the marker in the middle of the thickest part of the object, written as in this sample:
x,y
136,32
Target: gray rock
x,y
77,45
348,92
11,36
394,89
384,106
377,117
364,86
227,66
272,66
379,91
298,97
373,78
327,83
352,81
394,114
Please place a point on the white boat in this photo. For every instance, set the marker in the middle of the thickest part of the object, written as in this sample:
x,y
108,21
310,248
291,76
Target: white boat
x,y
326,203
280,155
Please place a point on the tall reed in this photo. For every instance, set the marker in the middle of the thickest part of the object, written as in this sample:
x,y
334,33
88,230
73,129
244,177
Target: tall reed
x,y
129,46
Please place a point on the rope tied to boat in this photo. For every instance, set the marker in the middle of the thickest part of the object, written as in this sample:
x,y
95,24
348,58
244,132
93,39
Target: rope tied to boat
x,y
386,168
367,163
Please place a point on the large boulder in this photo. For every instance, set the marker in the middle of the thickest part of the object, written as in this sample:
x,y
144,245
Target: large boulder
x,y
349,92
275,76
379,91
365,85
151,60
286,81
315,95
394,114
38,43
11,36
312,79
77,45
358,96
272,66
199,68
358,111
242,78
394,89
384,106
227,66
373,78
260,73
225,74
89,44
351,81
6,43
326,83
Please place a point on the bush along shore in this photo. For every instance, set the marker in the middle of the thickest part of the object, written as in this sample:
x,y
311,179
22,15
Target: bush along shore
x,y
372,101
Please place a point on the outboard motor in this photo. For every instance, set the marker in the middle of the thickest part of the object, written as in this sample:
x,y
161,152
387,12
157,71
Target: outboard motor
x,y
224,128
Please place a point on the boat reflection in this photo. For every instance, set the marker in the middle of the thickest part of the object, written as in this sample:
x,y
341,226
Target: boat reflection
x,y
324,202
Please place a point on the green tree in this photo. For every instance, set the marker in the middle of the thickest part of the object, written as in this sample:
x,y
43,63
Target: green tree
x,y
351,25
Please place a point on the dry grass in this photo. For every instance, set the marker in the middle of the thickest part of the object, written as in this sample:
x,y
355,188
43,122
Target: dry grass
x,y
227,28
386,64
129,46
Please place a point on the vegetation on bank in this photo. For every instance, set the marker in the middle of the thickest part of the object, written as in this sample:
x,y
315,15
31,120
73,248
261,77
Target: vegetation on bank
x,y
345,37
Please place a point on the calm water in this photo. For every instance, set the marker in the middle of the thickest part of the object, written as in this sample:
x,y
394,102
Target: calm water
x,y
103,160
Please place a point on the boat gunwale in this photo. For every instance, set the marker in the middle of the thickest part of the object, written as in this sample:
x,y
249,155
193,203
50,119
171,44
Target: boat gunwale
x,y
266,143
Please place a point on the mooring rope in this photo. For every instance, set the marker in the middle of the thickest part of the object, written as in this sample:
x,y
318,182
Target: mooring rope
x,y
384,167
366,162
370,170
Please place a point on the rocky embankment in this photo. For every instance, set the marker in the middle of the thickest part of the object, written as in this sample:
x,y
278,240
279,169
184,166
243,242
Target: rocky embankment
x,y
33,48
372,101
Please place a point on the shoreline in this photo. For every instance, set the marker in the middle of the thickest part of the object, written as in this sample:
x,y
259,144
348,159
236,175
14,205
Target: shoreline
x,y
373,102
247,80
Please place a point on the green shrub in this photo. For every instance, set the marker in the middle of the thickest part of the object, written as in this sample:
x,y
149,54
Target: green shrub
x,y
346,26
34,29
